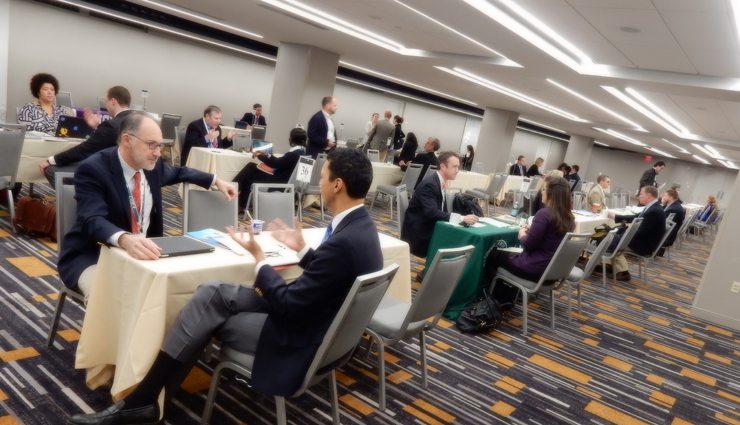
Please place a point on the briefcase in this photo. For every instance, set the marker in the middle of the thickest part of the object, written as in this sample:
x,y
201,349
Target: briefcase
x,y
36,216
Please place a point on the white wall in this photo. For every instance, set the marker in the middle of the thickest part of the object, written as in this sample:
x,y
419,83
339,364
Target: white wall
x,y
533,145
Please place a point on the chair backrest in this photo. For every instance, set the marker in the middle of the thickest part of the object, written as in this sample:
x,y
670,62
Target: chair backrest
x,y
350,322
64,98
273,201
11,146
496,183
595,258
180,138
564,259
204,209
450,197
168,124
431,170
318,164
577,186
669,226
578,200
322,155
533,183
352,143
440,280
402,199
688,221
628,235
66,204
373,155
411,176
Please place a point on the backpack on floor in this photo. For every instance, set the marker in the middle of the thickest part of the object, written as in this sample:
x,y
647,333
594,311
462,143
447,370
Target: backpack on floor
x,y
480,316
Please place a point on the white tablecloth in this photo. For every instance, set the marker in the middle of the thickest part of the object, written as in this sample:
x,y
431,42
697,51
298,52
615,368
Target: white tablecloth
x,y
385,173
467,180
34,152
587,224
222,162
133,303
511,183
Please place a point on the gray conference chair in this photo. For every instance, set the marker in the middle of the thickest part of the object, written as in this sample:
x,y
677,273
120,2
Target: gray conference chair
x,y
11,146
168,123
64,98
66,216
683,231
336,348
373,155
643,261
402,198
395,320
430,171
557,270
577,275
699,226
489,193
413,171
578,198
207,209
622,245
273,201
179,143
312,188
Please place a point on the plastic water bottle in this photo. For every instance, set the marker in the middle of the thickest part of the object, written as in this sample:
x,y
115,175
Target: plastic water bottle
x,y
515,209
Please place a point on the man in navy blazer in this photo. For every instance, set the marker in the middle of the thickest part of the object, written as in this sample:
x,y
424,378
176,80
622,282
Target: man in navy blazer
x,y
322,135
281,325
104,190
255,117
672,206
648,236
428,206
205,133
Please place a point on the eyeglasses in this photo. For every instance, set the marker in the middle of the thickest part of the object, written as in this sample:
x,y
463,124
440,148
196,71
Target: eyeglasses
x,y
151,144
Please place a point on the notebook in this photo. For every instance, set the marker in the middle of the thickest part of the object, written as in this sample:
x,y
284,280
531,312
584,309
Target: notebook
x,y
173,246
73,127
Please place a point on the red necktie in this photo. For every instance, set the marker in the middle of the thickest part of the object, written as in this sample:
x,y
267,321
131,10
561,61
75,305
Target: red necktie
x,y
137,200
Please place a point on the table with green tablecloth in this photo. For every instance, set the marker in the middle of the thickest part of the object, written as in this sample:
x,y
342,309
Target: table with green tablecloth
x,y
450,236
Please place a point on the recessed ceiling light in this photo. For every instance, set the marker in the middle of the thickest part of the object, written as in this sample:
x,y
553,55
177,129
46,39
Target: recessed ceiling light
x,y
630,30
492,85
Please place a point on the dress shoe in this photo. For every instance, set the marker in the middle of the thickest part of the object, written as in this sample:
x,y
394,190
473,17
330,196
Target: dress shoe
x,y
623,276
117,414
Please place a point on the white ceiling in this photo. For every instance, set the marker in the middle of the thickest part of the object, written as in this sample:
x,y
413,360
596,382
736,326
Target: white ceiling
x,y
683,55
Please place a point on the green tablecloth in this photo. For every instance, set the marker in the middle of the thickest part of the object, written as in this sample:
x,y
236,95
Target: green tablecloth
x,y
449,236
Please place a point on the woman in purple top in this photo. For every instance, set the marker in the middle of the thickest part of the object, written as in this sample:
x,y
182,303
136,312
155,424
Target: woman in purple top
x,y
541,239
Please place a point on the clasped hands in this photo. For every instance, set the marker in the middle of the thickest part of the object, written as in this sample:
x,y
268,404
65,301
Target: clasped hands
x,y
281,232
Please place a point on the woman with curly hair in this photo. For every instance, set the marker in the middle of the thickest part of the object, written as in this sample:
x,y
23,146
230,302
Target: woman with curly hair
x,y
43,113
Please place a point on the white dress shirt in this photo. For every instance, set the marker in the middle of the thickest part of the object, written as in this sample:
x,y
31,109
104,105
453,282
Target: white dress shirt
x,y
146,203
329,125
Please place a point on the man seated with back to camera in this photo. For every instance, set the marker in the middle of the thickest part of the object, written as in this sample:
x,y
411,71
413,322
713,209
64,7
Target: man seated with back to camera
x,y
539,240
281,325
274,170
647,237
429,205
671,205
119,200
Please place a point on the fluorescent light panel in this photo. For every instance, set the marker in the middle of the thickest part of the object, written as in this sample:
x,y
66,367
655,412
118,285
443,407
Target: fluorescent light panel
x,y
469,76
644,106
619,135
596,104
200,18
519,21
708,151
596,142
660,152
728,164
680,149
458,33
408,83
701,159
165,29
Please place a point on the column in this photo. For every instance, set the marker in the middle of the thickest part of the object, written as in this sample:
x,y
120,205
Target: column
x,y
495,139
4,48
303,75
579,152
718,297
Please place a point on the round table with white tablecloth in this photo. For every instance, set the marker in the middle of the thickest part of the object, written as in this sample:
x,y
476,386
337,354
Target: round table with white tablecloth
x,y
468,180
36,151
225,163
385,173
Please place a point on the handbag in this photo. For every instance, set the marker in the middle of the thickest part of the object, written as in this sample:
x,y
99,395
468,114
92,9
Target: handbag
x,y
36,217
480,316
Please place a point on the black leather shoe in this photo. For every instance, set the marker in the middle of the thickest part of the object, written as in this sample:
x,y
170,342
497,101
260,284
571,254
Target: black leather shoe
x,y
623,276
117,414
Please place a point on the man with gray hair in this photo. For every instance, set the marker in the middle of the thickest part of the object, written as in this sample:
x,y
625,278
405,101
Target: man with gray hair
x,y
205,133
119,200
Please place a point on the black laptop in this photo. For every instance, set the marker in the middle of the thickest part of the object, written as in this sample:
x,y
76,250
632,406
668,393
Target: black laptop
x,y
73,127
173,246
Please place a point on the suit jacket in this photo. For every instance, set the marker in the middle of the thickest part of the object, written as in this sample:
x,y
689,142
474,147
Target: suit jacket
x,y
678,218
105,136
317,129
650,232
380,134
517,170
284,165
249,119
534,170
103,207
424,211
300,313
195,136
648,178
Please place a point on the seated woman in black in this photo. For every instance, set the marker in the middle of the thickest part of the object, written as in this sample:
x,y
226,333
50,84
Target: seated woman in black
x,y
540,240
408,151
272,169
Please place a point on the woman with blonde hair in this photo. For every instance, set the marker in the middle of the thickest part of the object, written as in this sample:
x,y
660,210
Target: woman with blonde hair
x,y
708,209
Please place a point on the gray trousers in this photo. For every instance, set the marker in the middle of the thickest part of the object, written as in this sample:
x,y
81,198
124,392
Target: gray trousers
x,y
231,313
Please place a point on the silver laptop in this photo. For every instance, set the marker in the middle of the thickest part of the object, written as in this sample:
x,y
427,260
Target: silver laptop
x,y
242,142
173,246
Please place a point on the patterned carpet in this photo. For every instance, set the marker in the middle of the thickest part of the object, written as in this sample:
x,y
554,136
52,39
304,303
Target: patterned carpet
x,y
634,356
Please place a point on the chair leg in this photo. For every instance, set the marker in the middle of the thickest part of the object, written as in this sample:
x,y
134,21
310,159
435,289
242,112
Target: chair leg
x,y
281,417
321,204
334,398
552,309
208,409
375,198
423,352
381,375
525,301
603,274
391,200
578,296
57,315
11,207
567,288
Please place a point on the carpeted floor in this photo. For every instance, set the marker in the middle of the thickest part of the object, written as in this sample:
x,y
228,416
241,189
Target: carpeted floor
x,y
635,355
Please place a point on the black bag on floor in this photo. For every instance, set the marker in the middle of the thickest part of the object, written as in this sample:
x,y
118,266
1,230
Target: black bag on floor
x,y
480,316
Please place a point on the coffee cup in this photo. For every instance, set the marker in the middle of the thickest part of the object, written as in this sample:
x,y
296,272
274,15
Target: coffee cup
x,y
257,226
